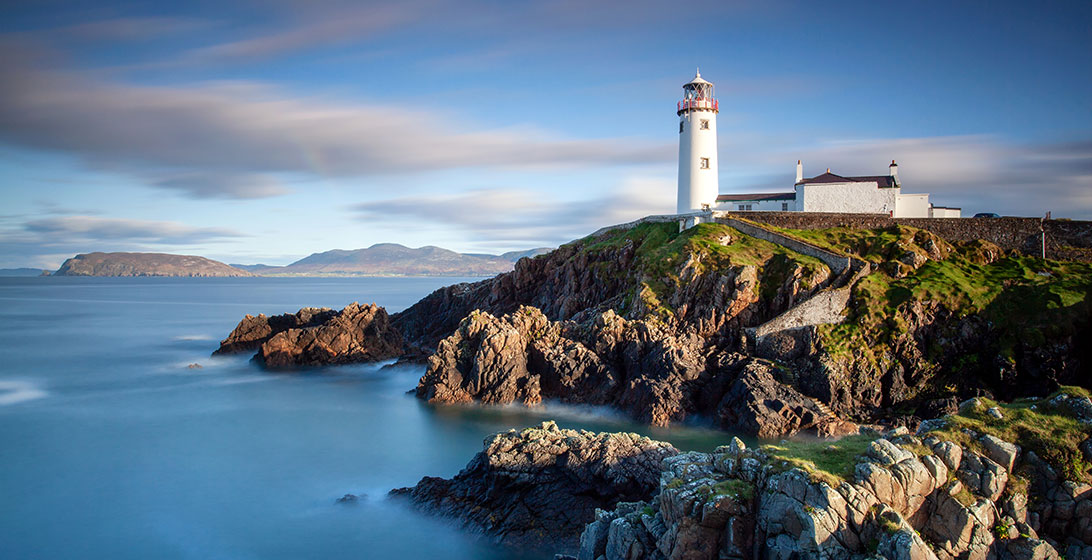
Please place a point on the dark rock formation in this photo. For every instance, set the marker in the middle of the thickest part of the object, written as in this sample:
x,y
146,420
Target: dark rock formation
x,y
655,373
252,331
354,334
757,404
145,264
541,486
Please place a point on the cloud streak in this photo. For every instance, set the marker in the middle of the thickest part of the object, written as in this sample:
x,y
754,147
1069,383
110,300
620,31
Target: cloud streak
x,y
499,219
240,129
981,173
94,229
46,242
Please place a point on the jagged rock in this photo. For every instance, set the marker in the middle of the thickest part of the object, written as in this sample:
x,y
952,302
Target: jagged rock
x,y
1024,548
354,334
995,412
757,403
348,499
1001,452
252,331
949,452
542,485
1081,407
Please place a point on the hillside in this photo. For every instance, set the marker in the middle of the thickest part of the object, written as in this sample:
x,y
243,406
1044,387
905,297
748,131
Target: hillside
x,y
145,264
392,259
656,323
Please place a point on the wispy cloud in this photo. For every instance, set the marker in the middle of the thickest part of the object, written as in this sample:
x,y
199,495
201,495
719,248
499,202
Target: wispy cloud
x,y
47,242
94,228
207,185
236,130
499,219
977,172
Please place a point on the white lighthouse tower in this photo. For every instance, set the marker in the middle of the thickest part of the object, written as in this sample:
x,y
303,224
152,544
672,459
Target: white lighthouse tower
x,y
698,185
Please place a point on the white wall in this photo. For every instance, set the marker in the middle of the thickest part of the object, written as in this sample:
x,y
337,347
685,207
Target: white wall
x,y
912,206
697,186
858,198
936,212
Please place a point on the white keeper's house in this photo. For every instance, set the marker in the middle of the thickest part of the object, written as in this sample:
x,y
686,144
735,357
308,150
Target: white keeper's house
x,y
698,182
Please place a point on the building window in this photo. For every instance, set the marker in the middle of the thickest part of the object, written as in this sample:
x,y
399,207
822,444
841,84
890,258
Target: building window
x,y
705,163
680,127
784,206
705,124
744,207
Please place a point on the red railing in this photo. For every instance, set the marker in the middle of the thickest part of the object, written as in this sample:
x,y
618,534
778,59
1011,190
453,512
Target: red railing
x,y
688,104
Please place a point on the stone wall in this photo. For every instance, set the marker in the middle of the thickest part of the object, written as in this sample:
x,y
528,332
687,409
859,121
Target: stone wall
x,y
837,263
1065,239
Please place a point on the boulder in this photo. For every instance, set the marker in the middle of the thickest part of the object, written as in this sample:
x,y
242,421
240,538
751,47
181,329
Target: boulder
x,y
756,403
357,333
252,332
543,485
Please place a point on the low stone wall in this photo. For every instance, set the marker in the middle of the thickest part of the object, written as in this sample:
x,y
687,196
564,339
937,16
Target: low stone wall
x,y
823,308
660,218
837,263
1065,239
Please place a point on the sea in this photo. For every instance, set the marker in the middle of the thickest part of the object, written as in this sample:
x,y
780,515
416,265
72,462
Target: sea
x,y
122,437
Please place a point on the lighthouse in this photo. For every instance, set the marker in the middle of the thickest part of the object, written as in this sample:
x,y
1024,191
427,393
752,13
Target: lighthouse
x,y
698,185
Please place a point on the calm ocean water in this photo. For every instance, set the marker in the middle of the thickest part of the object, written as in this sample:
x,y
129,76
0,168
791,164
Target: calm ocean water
x,y
110,447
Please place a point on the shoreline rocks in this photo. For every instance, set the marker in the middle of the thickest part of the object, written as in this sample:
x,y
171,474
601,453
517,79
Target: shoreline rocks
x,y
907,499
541,486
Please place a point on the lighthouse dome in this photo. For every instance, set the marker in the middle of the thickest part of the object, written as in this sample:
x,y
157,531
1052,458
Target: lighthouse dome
x,y
698,79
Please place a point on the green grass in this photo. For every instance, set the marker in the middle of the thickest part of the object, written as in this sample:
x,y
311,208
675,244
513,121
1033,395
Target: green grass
x,y
1053,435
660,252
825,461
735,488
1025,299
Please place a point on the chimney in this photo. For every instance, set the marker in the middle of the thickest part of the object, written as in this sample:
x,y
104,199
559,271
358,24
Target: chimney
x,y
799,171
894,167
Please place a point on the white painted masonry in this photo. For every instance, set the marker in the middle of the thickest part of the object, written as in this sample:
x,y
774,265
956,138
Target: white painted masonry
x,y
698,170
865,198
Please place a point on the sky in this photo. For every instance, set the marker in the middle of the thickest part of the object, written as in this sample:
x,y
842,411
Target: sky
x,y
264,131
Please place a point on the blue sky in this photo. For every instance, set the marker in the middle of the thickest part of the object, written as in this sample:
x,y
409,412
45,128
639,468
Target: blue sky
x,y
264,131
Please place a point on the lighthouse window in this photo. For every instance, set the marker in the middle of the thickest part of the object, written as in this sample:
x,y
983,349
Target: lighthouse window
x,y
705,163
680,127
705,124
784,206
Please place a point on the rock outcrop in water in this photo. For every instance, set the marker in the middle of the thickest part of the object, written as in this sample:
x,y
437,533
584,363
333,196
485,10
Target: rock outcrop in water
x,y
539,487
312,337
253,331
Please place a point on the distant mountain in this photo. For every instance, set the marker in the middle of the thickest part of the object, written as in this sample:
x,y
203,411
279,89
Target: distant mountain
x,y
392,259
22,272
145,264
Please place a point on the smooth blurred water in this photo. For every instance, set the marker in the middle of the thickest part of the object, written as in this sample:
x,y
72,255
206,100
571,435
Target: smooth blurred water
x,y
110,447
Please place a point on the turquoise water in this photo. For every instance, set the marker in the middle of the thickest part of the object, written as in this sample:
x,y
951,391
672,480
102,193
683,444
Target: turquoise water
x,y
111,447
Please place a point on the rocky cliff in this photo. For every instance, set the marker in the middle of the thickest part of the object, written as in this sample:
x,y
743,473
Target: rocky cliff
x,y
541,486
144,264
939,495
656,322
956,489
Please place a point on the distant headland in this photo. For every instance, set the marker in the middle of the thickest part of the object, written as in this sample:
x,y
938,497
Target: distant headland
x,y
383,259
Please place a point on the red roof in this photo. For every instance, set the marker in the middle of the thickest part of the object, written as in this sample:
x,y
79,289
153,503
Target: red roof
x,y
828,177
756,196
